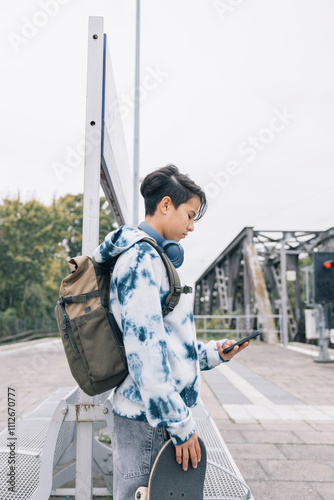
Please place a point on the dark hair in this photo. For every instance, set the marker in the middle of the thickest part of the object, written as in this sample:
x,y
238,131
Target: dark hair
x,y
168,181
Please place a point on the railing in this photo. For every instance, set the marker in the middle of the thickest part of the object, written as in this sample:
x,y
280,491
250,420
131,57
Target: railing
x,y
238,327
27,329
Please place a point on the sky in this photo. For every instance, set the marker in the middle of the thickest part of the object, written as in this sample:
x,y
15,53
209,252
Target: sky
x,y
240,97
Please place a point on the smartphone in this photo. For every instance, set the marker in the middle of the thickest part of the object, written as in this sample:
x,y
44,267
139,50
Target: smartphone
x,y
229,348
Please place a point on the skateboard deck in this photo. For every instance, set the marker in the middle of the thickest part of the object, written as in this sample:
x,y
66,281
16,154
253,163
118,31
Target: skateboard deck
x,y
168,481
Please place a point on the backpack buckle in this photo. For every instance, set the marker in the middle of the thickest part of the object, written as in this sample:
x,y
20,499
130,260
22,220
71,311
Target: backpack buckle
x,y
177,290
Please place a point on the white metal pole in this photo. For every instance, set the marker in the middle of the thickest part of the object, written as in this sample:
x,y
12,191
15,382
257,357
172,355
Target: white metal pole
x,y
136,124
284,298
90,232
91,206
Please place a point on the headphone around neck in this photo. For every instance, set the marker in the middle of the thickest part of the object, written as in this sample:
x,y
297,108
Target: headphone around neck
x,y
173,249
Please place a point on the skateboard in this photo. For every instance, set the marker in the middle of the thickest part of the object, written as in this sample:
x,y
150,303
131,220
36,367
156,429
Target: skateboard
x,y
168,481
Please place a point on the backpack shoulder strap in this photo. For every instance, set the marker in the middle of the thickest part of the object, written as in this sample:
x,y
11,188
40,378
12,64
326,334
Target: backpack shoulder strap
x,y
175,288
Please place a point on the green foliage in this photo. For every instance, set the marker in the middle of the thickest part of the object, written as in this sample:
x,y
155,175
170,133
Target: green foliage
x,y
7,318
35,243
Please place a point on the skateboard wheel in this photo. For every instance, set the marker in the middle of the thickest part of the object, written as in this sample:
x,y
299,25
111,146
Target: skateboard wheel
x,y
141,493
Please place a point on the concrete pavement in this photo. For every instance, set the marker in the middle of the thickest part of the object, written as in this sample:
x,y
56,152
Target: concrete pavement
x,y
274,407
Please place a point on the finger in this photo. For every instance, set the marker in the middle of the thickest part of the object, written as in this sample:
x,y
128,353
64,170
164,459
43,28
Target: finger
x,y
185,459
229,342
193,457
198,451
223,355
220,349
178,450
245,344
234,351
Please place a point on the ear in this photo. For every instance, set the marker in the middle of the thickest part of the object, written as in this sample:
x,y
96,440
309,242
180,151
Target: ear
x,y
165,204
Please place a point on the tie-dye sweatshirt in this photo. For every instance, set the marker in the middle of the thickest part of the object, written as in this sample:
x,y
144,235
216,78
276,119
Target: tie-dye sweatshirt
x,y
163,355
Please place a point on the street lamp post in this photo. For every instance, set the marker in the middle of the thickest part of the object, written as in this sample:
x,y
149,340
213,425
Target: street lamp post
x,y
136,122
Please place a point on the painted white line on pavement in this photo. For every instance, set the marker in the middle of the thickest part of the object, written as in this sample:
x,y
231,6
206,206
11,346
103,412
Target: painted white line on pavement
x,y
256,413
252,394
264,409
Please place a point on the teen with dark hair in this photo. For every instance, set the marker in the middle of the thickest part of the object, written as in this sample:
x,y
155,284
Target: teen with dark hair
x,y
164,358
168,181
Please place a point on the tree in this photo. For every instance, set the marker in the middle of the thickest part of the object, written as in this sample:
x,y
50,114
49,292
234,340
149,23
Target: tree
x,y
70,215
35,243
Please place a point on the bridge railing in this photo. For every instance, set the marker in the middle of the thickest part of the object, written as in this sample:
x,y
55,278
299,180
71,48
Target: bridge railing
x,y
235,326
14,330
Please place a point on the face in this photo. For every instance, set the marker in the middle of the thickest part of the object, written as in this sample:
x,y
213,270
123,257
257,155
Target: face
x,y
179,221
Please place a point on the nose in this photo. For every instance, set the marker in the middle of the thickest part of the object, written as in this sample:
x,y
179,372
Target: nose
x,y
191,225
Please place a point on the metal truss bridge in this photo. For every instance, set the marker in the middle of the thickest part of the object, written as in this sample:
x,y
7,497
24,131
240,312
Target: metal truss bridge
x,y
250,277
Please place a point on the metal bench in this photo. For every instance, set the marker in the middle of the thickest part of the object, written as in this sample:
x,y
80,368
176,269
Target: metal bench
x,y
223,479
45,441
41,441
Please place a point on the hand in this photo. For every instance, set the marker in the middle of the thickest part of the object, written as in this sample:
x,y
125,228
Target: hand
x,y
189,448
235,350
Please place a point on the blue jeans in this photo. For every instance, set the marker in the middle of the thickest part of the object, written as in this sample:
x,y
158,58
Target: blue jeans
x,y
135,446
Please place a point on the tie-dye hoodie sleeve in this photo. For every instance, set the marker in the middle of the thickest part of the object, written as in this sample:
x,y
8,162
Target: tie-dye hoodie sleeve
x,y
147,340
209,356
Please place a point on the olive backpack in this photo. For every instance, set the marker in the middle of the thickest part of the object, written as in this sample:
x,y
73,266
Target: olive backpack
x,y
92,340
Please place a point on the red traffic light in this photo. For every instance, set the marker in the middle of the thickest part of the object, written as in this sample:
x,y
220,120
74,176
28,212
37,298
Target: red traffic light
x,y
328,264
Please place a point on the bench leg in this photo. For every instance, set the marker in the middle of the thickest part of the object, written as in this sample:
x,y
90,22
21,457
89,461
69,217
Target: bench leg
x,y
248,494
64,476
102,461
